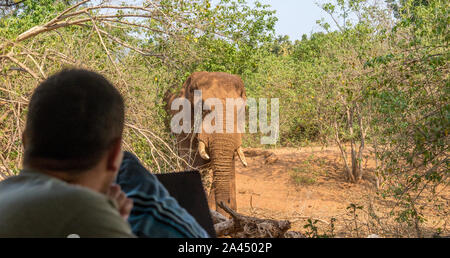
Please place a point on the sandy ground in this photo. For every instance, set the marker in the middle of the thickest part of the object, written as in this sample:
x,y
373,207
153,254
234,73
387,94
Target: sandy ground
x,y
304,183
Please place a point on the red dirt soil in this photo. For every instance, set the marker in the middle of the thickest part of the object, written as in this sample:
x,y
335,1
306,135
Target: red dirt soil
x,y
303,183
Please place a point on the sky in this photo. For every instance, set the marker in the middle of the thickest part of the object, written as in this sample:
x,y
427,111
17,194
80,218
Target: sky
x,y
297,17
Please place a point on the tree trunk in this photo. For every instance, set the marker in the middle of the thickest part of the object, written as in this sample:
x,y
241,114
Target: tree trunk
x,y
343,152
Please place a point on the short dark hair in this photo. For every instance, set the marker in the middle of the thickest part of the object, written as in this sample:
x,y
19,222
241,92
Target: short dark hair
x,y
73,118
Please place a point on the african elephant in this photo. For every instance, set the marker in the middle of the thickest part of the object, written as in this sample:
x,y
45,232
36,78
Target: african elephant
x,y
216,150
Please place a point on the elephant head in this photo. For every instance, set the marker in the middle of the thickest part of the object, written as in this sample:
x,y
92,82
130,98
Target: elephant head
x,y
218,149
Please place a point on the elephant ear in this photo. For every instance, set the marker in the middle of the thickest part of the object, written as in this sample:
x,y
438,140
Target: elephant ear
x,y
190,86
187,86
243,95
168,98
241,87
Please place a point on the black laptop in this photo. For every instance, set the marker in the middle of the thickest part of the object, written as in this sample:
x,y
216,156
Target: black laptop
x,y
187,189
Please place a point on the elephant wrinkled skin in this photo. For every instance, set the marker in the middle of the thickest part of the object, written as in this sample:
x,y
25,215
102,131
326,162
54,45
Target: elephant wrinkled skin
x,y
216,150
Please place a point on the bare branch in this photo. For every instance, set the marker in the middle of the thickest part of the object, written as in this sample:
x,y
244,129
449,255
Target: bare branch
x,y
24,67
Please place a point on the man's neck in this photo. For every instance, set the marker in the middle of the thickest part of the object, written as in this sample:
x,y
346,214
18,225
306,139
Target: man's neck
x,y
89,178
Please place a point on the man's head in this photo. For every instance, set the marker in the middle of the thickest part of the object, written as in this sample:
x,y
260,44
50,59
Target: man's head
x,y
74,124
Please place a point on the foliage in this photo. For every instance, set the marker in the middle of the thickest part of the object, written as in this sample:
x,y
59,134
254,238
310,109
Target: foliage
x,y
412,108
314,232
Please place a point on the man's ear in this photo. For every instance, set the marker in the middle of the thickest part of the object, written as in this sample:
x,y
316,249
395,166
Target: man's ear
x,y
115,155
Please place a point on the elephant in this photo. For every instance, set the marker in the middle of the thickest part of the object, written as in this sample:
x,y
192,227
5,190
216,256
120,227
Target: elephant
x,y
215,150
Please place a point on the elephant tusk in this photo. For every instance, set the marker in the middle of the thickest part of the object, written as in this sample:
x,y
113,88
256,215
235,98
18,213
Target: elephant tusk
x,y
241,155
202,150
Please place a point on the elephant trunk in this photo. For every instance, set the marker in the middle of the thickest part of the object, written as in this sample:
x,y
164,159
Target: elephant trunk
x,y
222,148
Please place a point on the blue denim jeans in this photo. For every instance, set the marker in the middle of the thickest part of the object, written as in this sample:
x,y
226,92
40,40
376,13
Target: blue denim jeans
x,y
155,213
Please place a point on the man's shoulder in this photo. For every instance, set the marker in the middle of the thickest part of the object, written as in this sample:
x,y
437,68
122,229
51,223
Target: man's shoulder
x,y
32,186
32,202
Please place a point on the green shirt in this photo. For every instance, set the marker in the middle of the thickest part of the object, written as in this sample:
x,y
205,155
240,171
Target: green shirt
x,y
37,205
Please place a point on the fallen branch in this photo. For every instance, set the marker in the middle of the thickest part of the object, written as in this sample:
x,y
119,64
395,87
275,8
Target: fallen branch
x,y
240,226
